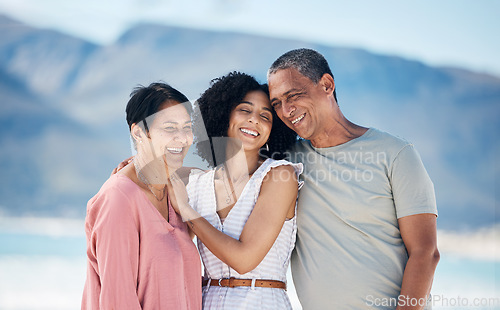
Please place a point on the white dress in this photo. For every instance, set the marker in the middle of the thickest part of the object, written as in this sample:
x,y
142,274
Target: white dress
x,y
201,193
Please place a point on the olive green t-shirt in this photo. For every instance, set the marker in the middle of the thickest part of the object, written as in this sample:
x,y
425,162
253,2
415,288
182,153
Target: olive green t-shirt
x,y
349,253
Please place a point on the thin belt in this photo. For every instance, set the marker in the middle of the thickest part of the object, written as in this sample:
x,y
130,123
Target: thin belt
x,y
233,282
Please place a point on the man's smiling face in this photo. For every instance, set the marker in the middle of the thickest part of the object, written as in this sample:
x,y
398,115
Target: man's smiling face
x,y
299,103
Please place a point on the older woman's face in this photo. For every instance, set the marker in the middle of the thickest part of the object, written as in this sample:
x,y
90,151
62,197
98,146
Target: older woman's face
x,y
251,120
171,134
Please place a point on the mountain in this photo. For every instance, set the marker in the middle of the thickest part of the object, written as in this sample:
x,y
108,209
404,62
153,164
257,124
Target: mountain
x,y
63,101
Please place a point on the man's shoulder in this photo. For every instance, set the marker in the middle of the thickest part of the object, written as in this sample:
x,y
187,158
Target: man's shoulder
x,y
374,140
377,138
300,146
297,150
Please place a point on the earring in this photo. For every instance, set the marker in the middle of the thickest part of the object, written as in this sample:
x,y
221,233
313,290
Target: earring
x,y
267,147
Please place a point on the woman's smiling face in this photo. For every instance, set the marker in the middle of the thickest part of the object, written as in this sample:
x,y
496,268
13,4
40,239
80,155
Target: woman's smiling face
x,y
251,120
171,134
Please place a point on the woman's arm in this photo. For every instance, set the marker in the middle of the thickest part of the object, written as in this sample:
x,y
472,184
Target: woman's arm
x,y
277,195
114,248
183,173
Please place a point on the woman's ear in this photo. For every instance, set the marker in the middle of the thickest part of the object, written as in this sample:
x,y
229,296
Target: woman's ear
x,y
137,133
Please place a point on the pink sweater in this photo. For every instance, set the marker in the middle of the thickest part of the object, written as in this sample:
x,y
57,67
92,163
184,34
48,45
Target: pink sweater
x,y
136,259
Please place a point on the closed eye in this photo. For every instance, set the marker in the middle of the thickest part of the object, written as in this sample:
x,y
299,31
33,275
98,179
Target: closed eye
x,y
295,96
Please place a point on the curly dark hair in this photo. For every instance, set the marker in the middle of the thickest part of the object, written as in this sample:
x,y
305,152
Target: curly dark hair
x,y
215,106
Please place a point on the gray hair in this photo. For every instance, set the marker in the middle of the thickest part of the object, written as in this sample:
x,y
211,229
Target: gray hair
x,y
307,62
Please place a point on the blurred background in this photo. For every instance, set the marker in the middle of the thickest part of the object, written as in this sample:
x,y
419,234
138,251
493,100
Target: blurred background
x,y
427,71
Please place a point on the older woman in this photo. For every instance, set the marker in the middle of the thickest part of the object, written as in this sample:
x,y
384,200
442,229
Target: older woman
x,y
140,254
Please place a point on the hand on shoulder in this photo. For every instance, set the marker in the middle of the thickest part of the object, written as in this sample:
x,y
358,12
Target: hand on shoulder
x,y
122,165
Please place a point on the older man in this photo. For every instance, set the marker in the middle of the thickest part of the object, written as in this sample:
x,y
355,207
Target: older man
x,y
367,211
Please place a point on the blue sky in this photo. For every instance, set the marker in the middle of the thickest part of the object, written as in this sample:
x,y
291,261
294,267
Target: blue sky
x,y
461,33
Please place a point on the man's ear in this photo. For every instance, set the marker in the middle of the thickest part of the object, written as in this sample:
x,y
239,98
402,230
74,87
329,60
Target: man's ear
x,y
327,83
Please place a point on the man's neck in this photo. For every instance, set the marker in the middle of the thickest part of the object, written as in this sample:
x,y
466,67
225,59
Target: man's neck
x,y
339,131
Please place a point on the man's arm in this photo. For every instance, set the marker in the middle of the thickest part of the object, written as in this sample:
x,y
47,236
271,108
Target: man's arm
x,y
419,235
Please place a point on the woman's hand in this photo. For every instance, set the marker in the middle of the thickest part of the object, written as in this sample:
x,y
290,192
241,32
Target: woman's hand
x,y
122,165
178,197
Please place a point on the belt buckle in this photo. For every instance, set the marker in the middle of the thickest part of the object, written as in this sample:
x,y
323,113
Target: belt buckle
x,y
230,281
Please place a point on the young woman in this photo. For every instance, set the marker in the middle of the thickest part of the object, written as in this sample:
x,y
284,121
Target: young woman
x,y
140,255
242,210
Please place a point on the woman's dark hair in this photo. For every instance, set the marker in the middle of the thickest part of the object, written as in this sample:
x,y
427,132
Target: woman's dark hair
x,y
146,101
215,106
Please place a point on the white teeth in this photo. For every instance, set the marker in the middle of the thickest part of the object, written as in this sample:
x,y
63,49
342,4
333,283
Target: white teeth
x,y
250,132
174,149
298,119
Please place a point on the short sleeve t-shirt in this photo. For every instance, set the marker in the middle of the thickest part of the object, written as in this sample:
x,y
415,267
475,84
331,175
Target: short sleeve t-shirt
x,y
349,252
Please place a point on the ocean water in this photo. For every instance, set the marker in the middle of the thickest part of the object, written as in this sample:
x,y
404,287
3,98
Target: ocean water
x,y
43,266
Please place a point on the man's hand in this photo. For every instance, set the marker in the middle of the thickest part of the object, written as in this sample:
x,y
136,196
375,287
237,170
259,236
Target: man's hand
x,y
122,165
